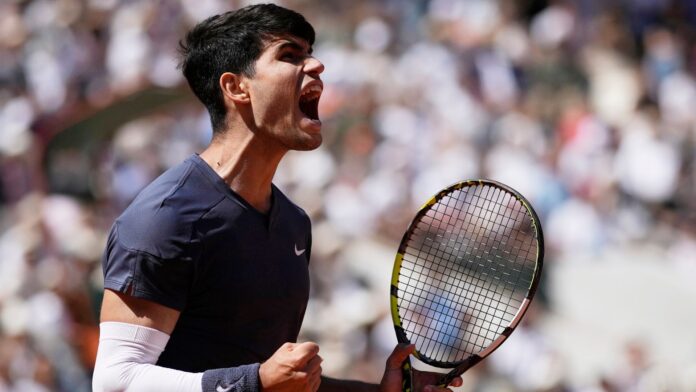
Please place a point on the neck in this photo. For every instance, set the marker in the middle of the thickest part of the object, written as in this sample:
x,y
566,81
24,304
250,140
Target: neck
x,y
246,164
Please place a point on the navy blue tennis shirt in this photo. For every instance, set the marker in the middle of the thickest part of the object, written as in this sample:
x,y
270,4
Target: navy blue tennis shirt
x,y
239,277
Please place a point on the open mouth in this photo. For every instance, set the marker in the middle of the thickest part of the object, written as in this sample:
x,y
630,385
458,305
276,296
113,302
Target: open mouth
x,y
309,101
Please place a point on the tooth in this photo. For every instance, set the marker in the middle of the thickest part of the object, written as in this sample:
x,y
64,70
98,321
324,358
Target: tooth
x,y
311,92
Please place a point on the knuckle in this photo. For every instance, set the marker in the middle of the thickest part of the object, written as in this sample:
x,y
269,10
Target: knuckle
x,y
311,347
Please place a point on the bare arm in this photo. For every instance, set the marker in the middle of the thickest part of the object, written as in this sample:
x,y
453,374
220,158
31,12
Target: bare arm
x,y
391,380
124,308
334,385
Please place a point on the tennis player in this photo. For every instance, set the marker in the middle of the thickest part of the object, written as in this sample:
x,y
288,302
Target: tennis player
x,y
206,272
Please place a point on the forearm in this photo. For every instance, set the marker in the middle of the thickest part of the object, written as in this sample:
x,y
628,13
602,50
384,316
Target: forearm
x,y
334,385
126,362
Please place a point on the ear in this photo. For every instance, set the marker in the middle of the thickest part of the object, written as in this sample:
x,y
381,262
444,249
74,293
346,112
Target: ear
x,y
234,88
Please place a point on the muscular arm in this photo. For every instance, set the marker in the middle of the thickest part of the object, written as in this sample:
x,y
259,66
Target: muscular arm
x,y
124,308
333,385
391,380
135,332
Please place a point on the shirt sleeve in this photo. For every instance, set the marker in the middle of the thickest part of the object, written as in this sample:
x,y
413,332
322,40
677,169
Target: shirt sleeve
x,y
156,263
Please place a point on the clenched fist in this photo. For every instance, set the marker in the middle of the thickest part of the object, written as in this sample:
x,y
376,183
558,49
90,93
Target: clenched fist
x,y
293,367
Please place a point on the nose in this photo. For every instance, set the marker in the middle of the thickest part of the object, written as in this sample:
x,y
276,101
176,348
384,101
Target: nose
x,y
313,66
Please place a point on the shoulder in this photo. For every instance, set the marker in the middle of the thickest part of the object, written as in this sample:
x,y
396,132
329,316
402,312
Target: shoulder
x,y
162,217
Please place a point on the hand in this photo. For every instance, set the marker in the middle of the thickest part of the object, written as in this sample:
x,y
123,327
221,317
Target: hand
x,y
423,381
293,367
392,378
428,381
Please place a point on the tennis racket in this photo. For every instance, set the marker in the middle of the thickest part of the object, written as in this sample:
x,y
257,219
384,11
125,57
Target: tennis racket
x,y
464,275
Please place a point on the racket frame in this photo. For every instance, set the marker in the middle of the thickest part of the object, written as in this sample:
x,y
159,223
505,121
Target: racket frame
x,y
462,366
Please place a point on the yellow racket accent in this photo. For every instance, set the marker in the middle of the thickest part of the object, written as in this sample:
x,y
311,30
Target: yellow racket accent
x,y
397,266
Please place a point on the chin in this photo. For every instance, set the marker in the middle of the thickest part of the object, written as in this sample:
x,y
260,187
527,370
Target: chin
x,y
310,143
305,137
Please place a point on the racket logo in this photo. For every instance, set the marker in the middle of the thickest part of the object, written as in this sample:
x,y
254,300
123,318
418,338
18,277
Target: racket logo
x,y
299,252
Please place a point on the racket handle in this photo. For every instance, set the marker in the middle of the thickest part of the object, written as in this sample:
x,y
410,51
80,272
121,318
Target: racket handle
x,y
446,379
406,381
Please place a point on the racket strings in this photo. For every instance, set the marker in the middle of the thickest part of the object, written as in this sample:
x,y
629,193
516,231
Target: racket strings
x,y
466,270
483,241
478,305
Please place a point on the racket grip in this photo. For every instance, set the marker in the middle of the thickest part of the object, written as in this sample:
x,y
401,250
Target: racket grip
x,y
446,379
406,381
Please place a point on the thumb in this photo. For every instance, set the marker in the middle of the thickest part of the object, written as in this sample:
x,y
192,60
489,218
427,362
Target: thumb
x,y
399,355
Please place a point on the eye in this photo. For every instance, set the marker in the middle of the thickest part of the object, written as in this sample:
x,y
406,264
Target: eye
x,y
287,56
290,56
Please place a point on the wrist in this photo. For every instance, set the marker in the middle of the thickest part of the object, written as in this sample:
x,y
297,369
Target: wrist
x,y
240,378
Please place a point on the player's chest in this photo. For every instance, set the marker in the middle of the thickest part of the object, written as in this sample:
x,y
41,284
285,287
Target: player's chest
x,y
252,264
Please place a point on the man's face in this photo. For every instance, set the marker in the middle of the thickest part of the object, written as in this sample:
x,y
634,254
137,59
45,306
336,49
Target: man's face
x,y
284,94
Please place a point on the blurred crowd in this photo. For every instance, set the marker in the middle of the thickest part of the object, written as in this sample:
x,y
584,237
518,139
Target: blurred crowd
x,y
587,107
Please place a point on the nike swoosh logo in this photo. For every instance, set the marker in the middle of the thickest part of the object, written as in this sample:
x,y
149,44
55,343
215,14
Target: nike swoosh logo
x,y
221,389
299,252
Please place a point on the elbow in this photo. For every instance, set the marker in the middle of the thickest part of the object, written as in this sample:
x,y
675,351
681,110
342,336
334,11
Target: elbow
x,y
109,379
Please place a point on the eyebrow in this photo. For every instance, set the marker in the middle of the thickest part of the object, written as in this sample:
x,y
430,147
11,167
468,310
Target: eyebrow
x,y
295,46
